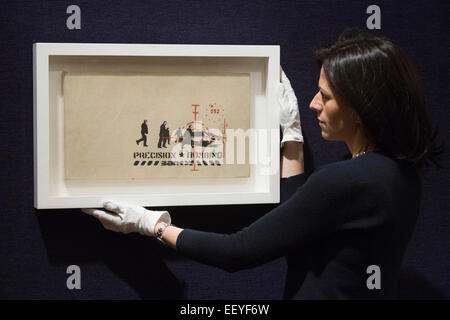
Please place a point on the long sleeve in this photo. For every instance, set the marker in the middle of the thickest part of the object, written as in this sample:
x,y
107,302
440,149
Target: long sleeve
x,y
308,214
288,186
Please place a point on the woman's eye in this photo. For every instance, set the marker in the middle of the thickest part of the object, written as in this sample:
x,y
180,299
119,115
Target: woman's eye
x,y
324,97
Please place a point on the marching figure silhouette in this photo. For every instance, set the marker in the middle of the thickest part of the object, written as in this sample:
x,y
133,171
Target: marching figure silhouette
x,y
144,131
162,134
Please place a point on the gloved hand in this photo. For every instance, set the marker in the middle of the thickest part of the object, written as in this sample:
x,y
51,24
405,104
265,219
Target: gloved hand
x,y
128,218
289,114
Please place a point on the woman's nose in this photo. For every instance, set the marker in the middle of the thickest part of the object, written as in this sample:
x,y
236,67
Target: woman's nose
x,y
316,104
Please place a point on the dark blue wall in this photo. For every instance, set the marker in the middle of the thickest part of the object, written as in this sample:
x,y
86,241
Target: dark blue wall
x,y
37,246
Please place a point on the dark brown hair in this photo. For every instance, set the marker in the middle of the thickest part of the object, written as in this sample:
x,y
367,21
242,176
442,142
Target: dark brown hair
x,y
375,77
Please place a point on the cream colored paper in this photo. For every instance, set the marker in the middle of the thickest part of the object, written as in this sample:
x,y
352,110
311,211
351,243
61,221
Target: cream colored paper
x,y
103,116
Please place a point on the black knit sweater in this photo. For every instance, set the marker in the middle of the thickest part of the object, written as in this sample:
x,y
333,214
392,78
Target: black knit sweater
x,y
331,226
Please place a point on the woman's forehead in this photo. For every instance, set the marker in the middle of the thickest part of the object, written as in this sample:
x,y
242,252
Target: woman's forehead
x,y
323,83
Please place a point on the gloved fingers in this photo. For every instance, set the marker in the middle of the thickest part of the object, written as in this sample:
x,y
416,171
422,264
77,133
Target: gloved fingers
x,y
103,216
89,211
113,206
285,81
280,91
286,94
284,97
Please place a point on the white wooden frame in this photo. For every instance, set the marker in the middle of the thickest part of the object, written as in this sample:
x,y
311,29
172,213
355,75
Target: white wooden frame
x,y
52,191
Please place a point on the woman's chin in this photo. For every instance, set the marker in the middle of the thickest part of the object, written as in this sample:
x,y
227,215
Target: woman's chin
x,y
325,135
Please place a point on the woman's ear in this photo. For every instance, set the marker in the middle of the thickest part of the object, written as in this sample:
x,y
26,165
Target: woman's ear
x,y
356,120
355,117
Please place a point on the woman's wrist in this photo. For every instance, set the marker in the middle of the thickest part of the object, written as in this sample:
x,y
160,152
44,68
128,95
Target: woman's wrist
x,y
293,150
169,234
292,160
292,144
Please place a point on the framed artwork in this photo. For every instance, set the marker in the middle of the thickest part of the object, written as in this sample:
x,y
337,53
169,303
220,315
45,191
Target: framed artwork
x,y
155,125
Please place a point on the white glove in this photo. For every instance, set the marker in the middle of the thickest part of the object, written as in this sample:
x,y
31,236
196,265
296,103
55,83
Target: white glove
x,y
128,218
289,114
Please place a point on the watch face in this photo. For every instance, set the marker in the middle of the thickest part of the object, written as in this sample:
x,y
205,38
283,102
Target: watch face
x,y
160,230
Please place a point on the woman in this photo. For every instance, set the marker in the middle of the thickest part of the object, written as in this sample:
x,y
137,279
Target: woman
x,y
347,217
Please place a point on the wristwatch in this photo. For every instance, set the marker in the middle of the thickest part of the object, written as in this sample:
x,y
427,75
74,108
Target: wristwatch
x,y
160,231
